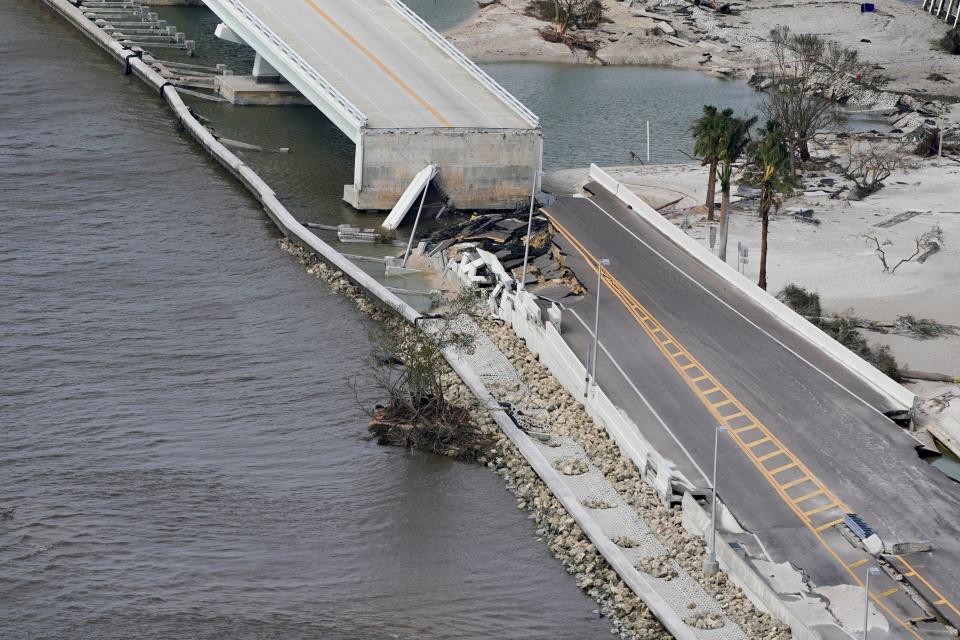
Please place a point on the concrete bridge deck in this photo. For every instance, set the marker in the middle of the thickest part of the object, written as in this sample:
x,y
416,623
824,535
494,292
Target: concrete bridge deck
x,y
384,65
401,92
683,351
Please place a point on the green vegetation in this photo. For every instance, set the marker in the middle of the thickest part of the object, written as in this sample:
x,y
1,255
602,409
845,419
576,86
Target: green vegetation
x,y
840,328
414,375
734,139
950,42
768,167
707,139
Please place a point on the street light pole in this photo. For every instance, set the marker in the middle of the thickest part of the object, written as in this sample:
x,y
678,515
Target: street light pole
x,y
526,249
592,370
710,565
872,571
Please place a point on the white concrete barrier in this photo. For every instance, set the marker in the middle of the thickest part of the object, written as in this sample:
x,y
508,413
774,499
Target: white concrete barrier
x,y
900,395
697,522
542,339
590,527
521,312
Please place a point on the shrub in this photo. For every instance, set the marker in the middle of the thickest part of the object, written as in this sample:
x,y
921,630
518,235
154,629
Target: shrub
x,y
840,328
950,42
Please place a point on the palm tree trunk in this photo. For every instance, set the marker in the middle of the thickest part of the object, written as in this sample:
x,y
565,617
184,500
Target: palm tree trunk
x,y
711,190
724,221
764,227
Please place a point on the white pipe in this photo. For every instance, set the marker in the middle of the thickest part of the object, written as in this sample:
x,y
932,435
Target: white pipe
x,y
416,221
526,248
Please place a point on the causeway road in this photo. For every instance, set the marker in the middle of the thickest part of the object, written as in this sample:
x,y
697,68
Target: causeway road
x,y
806,441
384,65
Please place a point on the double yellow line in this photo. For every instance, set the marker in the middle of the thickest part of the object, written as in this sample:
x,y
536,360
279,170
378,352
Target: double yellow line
x,y
748,432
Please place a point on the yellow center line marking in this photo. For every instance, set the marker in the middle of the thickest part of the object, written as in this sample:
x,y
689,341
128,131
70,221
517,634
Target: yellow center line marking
x,y
789,465
933,590
858,563
807,496
794,483
650,326
375,60
829,505
830,525
772,454
888,592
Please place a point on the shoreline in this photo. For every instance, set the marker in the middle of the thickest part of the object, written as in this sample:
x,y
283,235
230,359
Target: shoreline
x,y
637,610
726,45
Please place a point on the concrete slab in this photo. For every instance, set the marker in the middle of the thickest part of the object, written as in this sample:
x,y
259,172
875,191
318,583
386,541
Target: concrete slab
x,y
245,90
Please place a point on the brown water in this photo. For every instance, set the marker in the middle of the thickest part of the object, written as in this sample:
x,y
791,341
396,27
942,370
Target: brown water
x,y
181,449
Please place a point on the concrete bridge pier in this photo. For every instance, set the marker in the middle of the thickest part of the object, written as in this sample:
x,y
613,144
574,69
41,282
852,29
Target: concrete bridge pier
x,y
263,71
402,94
479,168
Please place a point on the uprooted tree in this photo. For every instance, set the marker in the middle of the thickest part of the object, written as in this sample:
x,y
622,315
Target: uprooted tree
x,y
869,164
567,13
414,375
927,242
578,13
807,70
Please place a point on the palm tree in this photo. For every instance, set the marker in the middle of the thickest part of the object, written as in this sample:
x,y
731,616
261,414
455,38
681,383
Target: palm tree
x,y
734,141
769,169
707,137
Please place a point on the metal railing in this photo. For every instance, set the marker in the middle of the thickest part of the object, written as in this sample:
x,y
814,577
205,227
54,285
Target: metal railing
x,y
465,62
340,102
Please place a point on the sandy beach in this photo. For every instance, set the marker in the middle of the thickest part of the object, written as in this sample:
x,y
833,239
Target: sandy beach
x,y
898,36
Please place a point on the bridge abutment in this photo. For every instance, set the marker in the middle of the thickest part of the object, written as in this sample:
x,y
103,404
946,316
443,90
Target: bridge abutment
x,y
479,168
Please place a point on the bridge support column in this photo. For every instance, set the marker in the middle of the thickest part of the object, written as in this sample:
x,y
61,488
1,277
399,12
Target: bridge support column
x,y
263,71
479,168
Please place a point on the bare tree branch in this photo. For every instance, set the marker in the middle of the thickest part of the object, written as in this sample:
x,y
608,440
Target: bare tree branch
x,y
934,237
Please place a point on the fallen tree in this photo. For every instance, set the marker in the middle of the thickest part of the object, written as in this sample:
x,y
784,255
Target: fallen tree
x,y
413,374
841,328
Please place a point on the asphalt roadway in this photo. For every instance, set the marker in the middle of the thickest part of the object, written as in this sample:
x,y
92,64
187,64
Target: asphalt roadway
x,y
383,65
806,441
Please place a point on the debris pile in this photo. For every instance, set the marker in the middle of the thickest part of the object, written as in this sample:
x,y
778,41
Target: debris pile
x,y
505,237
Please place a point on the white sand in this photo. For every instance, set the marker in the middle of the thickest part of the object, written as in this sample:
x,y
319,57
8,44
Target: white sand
x,y
901,38
832,259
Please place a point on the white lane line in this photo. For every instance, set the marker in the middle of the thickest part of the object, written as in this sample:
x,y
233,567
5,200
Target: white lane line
x,y
728,306
642,397
656,415
424,64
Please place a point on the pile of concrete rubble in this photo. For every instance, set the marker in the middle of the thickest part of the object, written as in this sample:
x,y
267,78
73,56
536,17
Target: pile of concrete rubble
x,y
505,237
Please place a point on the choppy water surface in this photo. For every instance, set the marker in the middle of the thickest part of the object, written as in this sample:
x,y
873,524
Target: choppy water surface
x,y
180,449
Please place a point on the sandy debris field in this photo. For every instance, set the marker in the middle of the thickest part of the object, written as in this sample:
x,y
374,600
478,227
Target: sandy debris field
x,y
898,36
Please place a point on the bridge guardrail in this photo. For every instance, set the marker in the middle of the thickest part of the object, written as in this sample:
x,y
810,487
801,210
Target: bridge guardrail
x,y
465,62
339,100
